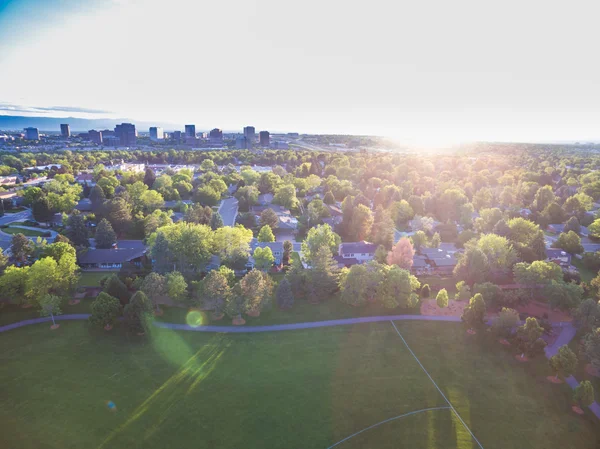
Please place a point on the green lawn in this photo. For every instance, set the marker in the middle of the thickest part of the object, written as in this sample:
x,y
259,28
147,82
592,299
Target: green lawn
x,y
11,313
92,278
295,389
16,210
301,312
25,232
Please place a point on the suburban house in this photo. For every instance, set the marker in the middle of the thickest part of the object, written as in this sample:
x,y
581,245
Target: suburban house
x,y
440,260
559,228
559,257
287,222
124,253
420,265
276,249
361,251
8,180
84,205
85,178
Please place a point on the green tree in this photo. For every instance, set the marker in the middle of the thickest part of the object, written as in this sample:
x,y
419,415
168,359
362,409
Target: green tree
x,y
41,209
419,240
113,286
155,220
572,224
198,214
543,197
263,258
97,198
13,284
216,221
105,235
266,234
529,339
216,292
268,217
284,295
584,394
118,212
594,229
57,250
500,253
537,273
257,289
3,261
286,196
381,254
21,247
587,315
154,286
492,294
591,346
504,323
442,298
570,242
317,237
50,306
185,247
361,223
176,286
42,279
425,291
355,283
474,314
564,361
77,230
563,295
288,247
149,177
435,240
472,266
463,291
105,310
323,276
138,313
397,288
231,243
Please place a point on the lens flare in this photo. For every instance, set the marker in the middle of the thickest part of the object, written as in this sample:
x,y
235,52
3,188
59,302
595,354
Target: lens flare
x,y
194,318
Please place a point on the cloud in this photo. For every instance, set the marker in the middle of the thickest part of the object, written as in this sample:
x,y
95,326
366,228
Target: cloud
x,y
7,107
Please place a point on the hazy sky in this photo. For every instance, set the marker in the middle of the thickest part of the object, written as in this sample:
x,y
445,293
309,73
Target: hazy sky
x,y
433,71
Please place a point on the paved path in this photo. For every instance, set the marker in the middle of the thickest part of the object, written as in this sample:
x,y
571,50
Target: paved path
x,y
228,211
18,216
566,335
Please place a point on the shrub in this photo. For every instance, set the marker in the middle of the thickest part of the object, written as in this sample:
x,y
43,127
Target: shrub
x,y
425,291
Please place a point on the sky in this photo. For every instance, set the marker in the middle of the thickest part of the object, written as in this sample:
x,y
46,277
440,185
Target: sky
x,y
419,71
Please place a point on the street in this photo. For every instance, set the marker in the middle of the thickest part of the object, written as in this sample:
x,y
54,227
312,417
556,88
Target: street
x,y
228,211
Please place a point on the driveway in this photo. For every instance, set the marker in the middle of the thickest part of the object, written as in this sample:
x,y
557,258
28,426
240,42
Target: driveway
x,y
228,211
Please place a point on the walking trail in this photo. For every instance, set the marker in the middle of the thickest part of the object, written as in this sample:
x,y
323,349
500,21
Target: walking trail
x,y
567,331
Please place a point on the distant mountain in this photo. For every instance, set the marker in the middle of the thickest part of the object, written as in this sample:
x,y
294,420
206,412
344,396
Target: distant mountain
x,y
17,123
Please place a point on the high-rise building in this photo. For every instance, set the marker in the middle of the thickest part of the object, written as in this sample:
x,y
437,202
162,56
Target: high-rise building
x,y
264,138
190,130
156,133
216,136
32,134
95,136
111,141
250,132
127,134
65,131
176,137
241,142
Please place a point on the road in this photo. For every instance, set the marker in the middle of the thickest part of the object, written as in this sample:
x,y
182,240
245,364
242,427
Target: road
x,y
5,239
228,211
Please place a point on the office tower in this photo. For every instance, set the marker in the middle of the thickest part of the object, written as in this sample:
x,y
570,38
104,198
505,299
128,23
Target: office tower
x,y
111,141
250,133
127,134
65,131
32,134
190,130
95,136
264,138
176,137
216,136
156,133
240,142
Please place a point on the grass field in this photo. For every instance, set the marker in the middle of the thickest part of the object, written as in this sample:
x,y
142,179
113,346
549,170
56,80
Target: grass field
x,y
586,274
92,278
295,389
25,232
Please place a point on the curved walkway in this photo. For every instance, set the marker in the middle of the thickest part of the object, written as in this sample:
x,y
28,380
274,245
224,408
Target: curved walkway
x,y
249,329
388,420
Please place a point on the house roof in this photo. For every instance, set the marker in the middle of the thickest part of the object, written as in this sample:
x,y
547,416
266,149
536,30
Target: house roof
x,y
257,209
432,252
357,247
125,244
556,254
275,246
419,262
120,255
345,262
335,210
447,261
591,247
287,222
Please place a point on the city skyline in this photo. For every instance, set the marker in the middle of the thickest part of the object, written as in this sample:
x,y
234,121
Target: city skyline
x,y
461,74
